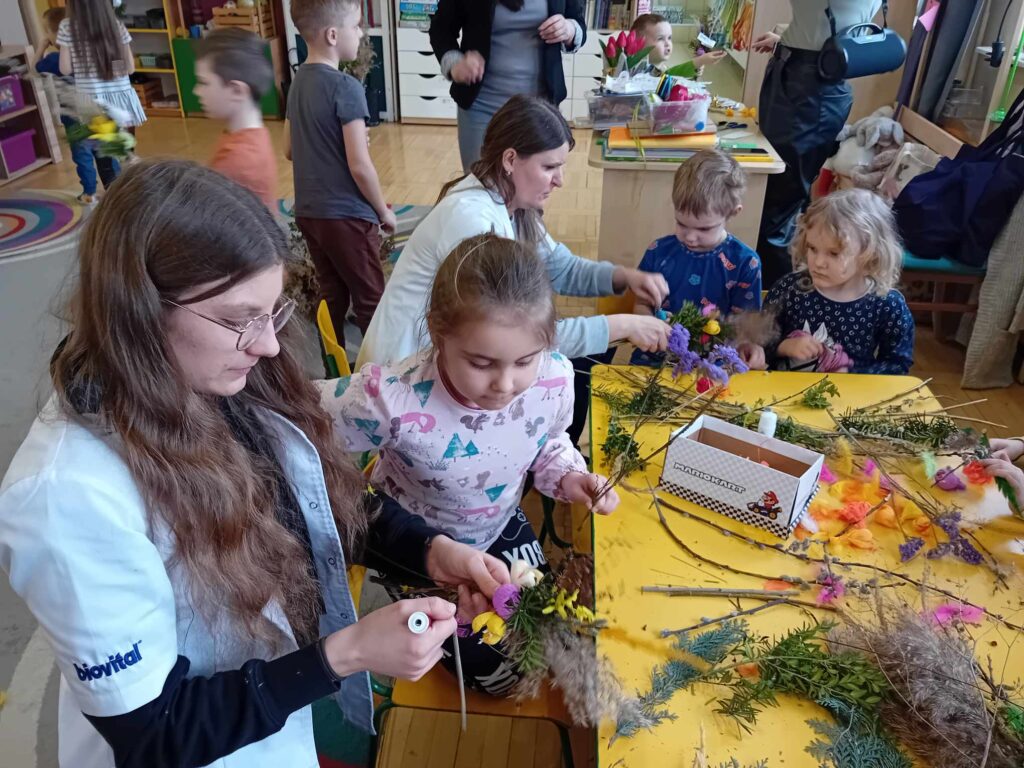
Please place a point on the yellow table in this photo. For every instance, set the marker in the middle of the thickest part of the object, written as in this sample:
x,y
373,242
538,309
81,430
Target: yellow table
x,y
632,549
636,201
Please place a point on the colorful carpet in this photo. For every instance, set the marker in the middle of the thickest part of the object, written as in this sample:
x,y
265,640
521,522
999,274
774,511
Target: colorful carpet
x,y
34,217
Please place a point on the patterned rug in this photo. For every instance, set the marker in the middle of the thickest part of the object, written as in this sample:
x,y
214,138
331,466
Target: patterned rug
x,y
36,217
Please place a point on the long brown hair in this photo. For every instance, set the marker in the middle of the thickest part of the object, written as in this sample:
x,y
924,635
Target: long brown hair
x,y
96,36
485,276
528,125
165,228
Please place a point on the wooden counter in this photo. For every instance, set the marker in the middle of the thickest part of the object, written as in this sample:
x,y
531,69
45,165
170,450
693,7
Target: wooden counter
x,y
636,201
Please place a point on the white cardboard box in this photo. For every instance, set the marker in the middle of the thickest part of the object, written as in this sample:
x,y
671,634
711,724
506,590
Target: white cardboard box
x,y
717,465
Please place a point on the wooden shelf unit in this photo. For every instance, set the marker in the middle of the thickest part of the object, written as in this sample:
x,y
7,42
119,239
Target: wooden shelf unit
x,y
35,115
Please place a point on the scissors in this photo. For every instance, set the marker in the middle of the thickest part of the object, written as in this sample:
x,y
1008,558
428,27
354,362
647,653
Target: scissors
x,y
729,124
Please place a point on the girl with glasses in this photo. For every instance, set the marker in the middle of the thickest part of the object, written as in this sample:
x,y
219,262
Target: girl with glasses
x,y
180,517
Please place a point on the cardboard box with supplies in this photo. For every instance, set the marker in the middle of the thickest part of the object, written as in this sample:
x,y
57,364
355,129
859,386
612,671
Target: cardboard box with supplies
x,y
742,474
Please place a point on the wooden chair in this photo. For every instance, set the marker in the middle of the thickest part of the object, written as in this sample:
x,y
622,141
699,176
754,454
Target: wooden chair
x,y
335,359
438,691
942,273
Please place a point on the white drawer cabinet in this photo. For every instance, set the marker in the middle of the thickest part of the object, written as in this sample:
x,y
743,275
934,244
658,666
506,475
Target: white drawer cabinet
x,y
418,62
423,85
588,65
427,107
582,85
412,39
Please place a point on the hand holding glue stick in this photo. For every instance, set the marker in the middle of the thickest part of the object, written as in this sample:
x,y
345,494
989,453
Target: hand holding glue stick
x,y
384,642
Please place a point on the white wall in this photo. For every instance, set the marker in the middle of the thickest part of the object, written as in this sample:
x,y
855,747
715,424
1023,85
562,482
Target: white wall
x,y
12,28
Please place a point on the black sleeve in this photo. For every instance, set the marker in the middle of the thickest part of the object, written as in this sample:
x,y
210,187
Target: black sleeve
x,y
197,720
574,9
397,541
445,26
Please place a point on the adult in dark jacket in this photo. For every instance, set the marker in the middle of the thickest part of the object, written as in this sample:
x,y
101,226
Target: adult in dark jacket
x,y
508,47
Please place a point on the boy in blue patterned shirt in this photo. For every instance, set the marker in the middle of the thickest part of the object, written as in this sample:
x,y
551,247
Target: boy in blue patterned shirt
x,y
701,261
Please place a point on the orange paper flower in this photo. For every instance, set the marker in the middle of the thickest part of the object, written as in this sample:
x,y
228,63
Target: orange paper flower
x,y
885,516
776,585
749,670
858,538
855,512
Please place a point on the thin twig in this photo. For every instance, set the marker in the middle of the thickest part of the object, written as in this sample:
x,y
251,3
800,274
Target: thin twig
x,y
719,591
462,682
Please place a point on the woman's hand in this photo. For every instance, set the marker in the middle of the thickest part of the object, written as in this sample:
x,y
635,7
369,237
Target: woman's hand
x,y
711,57
469,69
475,573
765,43
650,288
585,487
1009,449
557,29
801,348
381,642
752,355
1010,473
644,332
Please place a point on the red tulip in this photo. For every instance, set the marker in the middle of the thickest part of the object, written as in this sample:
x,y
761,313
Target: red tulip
x,y
621,40
611,50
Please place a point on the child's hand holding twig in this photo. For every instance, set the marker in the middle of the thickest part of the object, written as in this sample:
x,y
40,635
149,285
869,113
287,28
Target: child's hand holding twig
x,y
590,489
1013,475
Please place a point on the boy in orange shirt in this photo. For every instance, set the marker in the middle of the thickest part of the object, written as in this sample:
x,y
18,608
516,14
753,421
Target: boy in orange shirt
x,y
232,75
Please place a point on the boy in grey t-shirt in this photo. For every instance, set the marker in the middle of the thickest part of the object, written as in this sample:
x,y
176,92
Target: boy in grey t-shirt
x,y
339,206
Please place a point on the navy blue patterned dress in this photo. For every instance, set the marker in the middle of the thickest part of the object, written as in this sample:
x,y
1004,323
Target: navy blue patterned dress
x,y
877,332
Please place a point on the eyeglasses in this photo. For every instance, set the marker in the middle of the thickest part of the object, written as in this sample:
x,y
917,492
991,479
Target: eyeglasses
x,y
249,331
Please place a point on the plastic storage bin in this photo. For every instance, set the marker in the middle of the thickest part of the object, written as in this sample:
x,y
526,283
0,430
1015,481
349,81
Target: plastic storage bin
x,y
17,150
608,110
681,116
11,96
147,60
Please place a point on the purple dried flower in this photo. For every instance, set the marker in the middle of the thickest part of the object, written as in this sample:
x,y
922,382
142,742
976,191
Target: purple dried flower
x,y
967,551
950,524
910,548
505,600
679,340
714,372
832,588
939,550
688,362
727,357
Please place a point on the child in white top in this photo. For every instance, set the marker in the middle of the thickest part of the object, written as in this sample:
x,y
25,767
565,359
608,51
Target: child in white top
x,y
96,48
459,425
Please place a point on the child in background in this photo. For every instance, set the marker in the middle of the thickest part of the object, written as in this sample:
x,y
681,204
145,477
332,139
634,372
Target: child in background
x,y
87,163
232,75
96,48
658,33
839,310
459,425
339,206
702,263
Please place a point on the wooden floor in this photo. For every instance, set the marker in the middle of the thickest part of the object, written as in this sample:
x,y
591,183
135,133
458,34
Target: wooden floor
x,y
413,162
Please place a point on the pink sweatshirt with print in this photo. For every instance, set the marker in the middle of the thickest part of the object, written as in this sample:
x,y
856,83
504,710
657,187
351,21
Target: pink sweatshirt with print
x,y
461,468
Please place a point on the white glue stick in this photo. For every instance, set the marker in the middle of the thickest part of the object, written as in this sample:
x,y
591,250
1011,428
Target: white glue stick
x,y
767,423
419,623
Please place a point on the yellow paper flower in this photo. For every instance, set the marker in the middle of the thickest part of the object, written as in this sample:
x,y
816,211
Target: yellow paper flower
x,y
584,614
493,627
712,328
102,125
562,603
